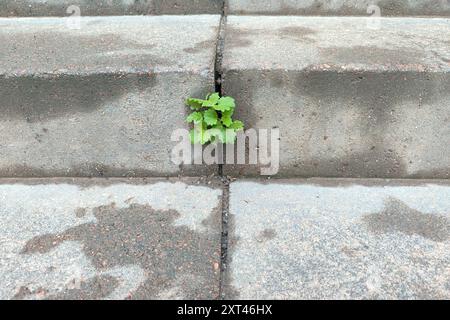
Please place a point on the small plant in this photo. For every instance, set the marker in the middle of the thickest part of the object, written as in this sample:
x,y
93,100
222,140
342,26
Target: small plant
x,y
213,120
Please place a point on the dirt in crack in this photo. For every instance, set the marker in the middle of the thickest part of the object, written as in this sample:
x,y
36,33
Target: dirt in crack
x,y
174,258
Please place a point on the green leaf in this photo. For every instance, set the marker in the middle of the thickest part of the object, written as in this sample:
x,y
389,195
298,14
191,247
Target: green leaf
x,y
199,136
226,118
223,134
237,125
195,104
220,108
195,117
225,104
214,97
226,135
212,100
210,117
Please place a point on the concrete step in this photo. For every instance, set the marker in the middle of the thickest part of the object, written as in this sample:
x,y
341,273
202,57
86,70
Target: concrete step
x,y
339,239
60,8
102,97
340,7
110,239
351,96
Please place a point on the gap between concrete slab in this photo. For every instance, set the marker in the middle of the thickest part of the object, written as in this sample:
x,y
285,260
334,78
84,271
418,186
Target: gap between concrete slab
x,y
225,181
224,236
218,65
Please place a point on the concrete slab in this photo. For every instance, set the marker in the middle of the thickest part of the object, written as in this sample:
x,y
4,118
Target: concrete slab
x,y
102,99
109,239
60,8
350,98
340,7
339,239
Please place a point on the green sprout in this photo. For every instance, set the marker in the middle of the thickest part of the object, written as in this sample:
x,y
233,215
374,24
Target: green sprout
x,y
213,120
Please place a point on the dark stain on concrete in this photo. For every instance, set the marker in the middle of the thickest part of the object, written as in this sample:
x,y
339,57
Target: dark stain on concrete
x,y
199,47
80,212
95,169
392,7
115,8
103,51
421,8
242,37
239,37
375,97
388,8
398,217
183,7
297,33
24,292
41,99
442,173
93,289
266,235
242,86
140,235
352,252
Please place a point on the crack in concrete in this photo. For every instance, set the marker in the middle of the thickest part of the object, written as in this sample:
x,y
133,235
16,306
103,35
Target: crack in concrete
x,y
218,72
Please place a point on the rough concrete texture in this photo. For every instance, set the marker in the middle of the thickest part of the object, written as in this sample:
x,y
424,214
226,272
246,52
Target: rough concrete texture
x,y
322,239
109,239
340,7
102,100
349,99
60,8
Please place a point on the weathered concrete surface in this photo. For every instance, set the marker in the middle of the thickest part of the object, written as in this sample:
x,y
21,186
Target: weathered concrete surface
x,y
322,239
340,7
349,100
102,100
60,8
109,239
